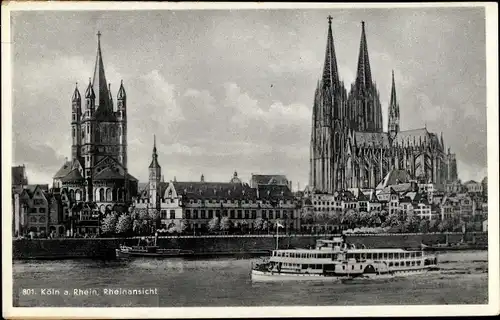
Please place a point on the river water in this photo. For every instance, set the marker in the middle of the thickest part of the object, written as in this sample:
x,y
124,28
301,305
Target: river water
x,y
463,279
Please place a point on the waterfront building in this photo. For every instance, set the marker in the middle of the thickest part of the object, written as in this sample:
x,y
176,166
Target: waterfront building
x,y
98,168
19,179
348,147
474,187
484,183
197,202
33,213
454,187
460,207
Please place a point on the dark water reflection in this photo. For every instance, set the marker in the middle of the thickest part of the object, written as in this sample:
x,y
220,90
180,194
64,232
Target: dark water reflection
x,y
226,282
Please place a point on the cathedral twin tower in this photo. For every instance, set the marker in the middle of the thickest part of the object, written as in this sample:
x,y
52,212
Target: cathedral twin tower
x,y
348,147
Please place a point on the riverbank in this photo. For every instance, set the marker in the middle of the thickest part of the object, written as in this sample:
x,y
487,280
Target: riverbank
x,y
104,248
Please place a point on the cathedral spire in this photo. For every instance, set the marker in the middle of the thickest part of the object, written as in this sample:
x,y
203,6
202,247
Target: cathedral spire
x,y
330,71
99,81
154,161
364,75
393,125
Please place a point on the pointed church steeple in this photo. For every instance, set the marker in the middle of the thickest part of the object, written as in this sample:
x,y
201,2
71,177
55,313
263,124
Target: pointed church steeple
x,y
364,74
99,83
330,71
121,92
110,96
76,95
393,125
89,93
154,161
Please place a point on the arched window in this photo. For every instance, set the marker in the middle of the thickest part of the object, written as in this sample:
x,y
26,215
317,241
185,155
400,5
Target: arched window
x,y
78,195
33,219
41,219
101,194
72,194
109,195
115,194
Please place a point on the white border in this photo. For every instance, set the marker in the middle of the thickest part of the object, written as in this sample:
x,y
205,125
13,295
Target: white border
x,y
492,308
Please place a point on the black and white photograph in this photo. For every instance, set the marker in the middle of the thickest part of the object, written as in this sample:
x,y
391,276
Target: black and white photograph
x,y
291,159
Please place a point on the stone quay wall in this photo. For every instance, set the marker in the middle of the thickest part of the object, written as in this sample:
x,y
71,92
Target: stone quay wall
x,y
222,244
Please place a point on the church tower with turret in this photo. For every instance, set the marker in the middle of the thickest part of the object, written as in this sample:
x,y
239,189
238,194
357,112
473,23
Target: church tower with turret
x,y
98,170
154,178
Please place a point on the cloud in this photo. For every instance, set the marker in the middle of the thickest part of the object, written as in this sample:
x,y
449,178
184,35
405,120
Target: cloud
x,y
250,110
301,61
235,91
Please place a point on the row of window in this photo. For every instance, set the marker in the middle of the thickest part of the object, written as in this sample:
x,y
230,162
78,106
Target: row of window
x,y
405,263
163,214
199,201
239,214
385,255
357,256
39,220
37,210
304,255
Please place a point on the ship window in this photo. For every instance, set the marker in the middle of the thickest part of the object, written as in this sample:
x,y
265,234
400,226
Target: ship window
x,y
407,263
343,267
419,254
396,264
391,255
419,263
413,263
390,264
352,267
304,266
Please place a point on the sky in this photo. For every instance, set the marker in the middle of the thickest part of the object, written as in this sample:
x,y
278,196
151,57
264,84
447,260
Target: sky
x,y
232,90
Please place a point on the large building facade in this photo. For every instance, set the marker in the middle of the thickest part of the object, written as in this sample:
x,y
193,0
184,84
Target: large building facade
x,y
349,148
97,171
268,199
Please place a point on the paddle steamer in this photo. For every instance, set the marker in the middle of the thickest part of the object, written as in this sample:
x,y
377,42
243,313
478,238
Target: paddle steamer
x,y
336,260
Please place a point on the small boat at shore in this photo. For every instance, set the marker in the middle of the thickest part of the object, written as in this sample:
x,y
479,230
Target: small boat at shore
x,y
149,251
335,260
454,246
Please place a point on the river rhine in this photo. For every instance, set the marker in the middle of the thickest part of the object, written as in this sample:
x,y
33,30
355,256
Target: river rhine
x,y
463,279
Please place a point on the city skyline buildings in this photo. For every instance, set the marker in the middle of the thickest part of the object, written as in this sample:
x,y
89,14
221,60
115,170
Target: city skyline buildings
x,y
280,148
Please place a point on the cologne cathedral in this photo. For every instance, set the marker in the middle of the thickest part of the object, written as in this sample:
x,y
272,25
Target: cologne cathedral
x,y
349,148
97,171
